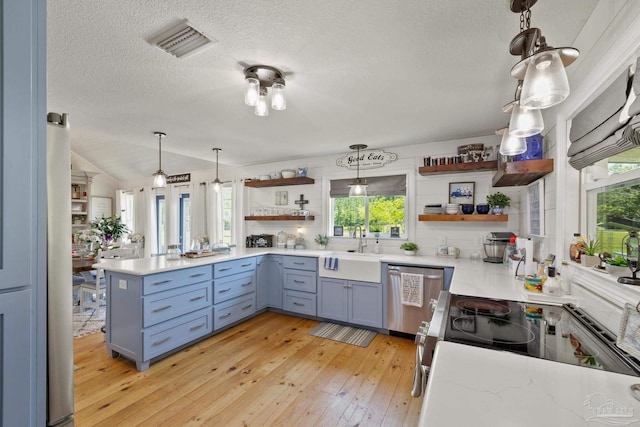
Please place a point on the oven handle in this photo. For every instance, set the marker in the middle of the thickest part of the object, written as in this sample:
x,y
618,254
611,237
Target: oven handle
x,y
437,325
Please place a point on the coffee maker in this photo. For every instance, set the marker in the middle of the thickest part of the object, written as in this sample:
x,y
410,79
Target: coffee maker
x,y
259,241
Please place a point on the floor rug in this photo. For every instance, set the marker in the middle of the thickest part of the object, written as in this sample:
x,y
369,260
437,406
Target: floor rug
x,y
88,322
345,334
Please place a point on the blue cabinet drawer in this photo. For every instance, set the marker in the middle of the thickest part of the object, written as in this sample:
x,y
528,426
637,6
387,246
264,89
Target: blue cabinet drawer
x,y
230,287
300,302
300,280
228,268
166,336
176,278
166,305
301,263
233,310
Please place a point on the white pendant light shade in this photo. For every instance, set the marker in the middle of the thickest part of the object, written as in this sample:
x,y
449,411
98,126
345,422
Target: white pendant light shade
x,y
217,186
278,101
545,81
512,145
525,122
358,189
159,179
262,109
252,91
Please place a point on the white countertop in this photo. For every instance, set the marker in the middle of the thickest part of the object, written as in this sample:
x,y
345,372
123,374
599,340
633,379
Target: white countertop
x,y
471,386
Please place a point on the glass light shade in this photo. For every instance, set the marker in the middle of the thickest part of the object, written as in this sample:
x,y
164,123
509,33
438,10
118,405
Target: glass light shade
x,y
512,145
278,101
525,122
261,108
217,186
545,81
159,179
358,189
252,91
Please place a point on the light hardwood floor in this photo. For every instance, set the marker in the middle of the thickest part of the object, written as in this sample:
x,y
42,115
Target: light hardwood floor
x,y
265,372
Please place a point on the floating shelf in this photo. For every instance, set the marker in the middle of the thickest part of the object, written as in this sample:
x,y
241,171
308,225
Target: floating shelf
x,y
465,218
299,180
280,218
512,174
459,167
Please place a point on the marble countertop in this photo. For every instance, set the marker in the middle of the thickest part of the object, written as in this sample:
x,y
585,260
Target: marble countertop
x,y
471,386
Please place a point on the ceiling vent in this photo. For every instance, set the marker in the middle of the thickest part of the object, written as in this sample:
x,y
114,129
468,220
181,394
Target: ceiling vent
x,y
181,40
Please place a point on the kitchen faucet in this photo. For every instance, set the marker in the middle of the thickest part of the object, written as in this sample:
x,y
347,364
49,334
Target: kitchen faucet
x,y
361,244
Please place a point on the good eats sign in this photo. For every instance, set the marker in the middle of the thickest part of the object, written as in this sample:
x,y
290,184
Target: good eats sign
x,y
369,159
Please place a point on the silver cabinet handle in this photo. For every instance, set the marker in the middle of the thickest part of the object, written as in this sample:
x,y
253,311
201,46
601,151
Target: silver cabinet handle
x,y
246,284
162,341
246,265
298,304
196,298
225,269
221,291
195,328
162,308
225,315
246,307
298,263
163,282
298,281
197,275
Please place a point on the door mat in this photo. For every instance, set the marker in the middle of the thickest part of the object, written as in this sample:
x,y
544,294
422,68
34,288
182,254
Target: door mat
x,y
345,334
88,322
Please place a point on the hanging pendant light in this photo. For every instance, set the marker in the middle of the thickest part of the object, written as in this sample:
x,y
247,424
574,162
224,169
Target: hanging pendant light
x,y
524,121
358,187
262,109
159,178
217,184
258,79
511,145
278,101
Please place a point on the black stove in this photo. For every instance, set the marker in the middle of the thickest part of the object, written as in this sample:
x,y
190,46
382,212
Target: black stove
x,y
563,334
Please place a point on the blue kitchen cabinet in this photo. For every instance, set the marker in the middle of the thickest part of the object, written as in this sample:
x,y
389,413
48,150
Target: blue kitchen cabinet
x,y
300,282
269,277
359,303
234,291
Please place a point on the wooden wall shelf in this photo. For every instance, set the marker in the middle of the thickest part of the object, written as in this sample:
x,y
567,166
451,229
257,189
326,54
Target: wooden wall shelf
x,y
459,167
299,180
465,218
524,172
280,218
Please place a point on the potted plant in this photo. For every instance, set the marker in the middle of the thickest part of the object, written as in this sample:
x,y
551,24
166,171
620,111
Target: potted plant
x,y
617,266
589,250
409,248
498,201
322,240
112,229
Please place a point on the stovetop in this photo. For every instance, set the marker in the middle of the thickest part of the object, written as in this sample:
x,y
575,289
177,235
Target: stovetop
x,y
563,334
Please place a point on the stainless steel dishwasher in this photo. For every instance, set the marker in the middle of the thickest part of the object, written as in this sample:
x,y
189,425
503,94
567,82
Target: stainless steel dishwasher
x,y
408,318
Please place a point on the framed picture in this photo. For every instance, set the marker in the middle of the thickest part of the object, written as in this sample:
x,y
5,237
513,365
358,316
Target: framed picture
x,y
462,192
535,211
395,232
337,231
628,337
101,207
282,198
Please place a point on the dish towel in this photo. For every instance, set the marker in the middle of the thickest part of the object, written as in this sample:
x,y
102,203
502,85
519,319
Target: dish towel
x,y
412,289
331,263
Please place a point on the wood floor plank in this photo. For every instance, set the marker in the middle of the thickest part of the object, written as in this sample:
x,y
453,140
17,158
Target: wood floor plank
x,y
266,371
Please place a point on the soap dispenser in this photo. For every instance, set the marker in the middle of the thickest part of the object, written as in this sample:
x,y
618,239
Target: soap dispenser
x,y
376,247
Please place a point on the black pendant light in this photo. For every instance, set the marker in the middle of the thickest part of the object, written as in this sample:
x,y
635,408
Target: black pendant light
x,y
217,184
358,187
159,178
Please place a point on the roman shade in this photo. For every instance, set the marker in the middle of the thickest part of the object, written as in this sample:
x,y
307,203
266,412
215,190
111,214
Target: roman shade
x,y
608,125
392,185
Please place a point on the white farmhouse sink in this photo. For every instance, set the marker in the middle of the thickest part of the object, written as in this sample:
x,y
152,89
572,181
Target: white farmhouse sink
x,y
353,266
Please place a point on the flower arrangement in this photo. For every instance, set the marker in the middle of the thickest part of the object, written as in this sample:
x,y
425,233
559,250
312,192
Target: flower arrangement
x,y
111,227
136,237
322,239
89,235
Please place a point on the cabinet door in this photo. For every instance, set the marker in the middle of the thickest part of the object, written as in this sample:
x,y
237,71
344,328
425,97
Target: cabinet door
x,y
269,282
262,281
365,304
333,299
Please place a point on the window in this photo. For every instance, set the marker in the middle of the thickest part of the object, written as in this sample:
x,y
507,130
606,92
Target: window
x,y
185,222
127,210
227,213
383,209
613,202
160,223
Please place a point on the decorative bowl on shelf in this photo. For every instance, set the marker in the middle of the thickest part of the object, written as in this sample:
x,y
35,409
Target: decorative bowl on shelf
x,y
467,209
482,209
264,177
276,175
288,173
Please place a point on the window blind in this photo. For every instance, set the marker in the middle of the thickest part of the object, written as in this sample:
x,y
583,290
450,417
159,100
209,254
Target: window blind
x,y
392,185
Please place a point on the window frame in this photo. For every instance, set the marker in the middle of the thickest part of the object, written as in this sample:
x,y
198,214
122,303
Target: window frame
x,y
184,235
161,205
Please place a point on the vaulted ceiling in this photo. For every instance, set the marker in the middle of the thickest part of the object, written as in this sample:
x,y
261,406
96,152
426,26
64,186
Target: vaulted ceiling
x,y
377,72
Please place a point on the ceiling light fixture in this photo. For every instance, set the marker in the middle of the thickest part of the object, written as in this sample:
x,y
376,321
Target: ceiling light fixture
x,y
542,67
159,178
524,121
217,184
258,78
358,187
511,145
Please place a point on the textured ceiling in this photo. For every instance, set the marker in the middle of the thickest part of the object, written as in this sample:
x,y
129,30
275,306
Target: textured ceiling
x,y
378,72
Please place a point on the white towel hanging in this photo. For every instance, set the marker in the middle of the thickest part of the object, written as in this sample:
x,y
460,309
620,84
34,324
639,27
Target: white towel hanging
x,y
412,289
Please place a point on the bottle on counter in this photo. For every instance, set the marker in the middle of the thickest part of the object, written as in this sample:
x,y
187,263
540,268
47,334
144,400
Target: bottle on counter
x,y
551,285
574,248
376,247
564,278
